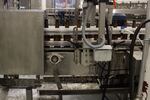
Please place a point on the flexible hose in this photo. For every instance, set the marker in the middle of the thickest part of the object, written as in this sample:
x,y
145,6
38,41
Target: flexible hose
x,y
131,66
108,33
84,19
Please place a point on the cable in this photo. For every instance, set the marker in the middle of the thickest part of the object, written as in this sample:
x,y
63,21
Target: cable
x,y
131,67
84,19
105,82
108,32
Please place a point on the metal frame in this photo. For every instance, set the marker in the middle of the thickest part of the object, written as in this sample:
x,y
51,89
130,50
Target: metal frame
x,y
82,92
144,81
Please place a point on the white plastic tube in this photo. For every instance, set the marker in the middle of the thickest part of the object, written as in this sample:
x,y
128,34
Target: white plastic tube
x,y
84,21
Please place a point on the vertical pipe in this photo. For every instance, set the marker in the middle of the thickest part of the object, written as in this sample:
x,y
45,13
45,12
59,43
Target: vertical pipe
x,y
121,4
43,4
145,70
29,4
29,95
102,15
1,4
15,3
3,93
36,4
115,5
65,3
76,12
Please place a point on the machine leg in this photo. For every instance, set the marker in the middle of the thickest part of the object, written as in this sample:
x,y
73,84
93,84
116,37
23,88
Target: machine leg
x,y
3,93
29,95
125,97
60,97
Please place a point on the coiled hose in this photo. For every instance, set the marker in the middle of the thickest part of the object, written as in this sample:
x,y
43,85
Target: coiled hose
x,y
84,21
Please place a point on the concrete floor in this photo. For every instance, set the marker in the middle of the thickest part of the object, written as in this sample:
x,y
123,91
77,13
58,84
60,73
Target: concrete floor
x,y
20,94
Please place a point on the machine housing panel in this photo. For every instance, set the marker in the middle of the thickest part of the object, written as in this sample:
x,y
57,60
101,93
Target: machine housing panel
x,y
22,42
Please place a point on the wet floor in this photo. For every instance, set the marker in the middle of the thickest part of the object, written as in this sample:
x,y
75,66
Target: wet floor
x,y
20,94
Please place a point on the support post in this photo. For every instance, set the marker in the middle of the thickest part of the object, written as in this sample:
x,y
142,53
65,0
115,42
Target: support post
x,y
102,15
3,93
144,81
29,95
1,4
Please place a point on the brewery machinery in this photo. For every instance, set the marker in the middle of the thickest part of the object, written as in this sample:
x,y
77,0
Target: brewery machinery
x,y
72,42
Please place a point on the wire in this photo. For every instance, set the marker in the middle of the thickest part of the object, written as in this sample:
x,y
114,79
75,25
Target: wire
x,y
107,80
103,65
131,67
108,32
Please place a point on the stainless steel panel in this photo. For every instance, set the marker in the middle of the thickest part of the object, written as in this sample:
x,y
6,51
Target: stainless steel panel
x,y
36,4
1,4
68,67
21,42
49,4
25,3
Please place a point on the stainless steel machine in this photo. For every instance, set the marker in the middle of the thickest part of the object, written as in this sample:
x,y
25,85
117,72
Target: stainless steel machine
x,y
73,42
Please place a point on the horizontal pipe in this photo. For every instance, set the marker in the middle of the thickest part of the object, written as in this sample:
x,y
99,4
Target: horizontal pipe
x,y
81,92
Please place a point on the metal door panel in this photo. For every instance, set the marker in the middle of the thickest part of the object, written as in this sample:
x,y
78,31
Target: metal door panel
x,y
21,42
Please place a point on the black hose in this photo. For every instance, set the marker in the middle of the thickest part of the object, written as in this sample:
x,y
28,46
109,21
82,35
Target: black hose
x,y
104,97
108,34
108,70
131,67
